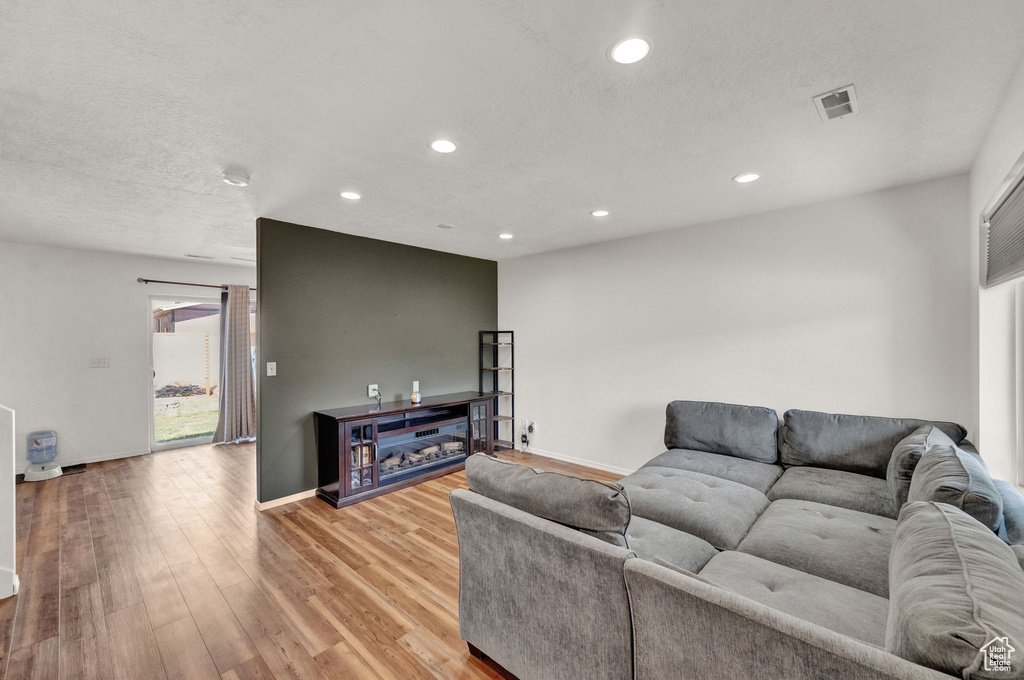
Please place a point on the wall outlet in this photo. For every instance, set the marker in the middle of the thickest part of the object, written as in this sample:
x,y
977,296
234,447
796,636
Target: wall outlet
x,y
371,390
99,362
271,368
529,428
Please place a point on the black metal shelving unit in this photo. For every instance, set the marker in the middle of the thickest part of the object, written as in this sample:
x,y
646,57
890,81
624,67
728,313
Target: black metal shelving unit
x,y
497,374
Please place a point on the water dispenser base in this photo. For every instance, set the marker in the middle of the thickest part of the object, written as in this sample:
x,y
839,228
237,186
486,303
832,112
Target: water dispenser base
x,y
39,473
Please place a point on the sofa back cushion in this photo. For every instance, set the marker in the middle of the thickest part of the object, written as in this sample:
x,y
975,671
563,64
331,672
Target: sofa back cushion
x,y
597,508
749,432
907,455
947,475
953,588
1012,528
861,444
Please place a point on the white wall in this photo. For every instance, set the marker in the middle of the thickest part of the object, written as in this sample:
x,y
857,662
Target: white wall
x,y
856,305
995,348
61,307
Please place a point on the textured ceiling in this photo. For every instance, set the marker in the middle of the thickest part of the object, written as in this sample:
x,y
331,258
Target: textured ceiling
x,y
118,117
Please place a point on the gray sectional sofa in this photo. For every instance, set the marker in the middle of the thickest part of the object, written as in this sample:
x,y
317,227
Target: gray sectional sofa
x,y
847,547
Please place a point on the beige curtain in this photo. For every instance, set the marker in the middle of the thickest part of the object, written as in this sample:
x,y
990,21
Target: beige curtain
x,y
237,394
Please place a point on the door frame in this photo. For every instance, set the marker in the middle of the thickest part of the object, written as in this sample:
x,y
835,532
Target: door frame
x,y
178,443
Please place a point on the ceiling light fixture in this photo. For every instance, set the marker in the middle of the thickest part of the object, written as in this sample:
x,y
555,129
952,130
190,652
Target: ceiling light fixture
x,y
505,236
350,195
746,177
236,179
445,226
442,146
599,213
630,50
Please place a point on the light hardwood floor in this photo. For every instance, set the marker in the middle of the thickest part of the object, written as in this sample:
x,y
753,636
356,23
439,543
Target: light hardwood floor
x,y
159,567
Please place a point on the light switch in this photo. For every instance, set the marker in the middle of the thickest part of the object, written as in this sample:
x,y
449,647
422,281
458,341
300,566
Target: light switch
x,y
271,368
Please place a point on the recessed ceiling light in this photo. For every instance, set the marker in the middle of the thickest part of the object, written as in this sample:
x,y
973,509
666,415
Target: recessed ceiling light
x,y
445,226
442,146
746,177
630,50
236,179
350,195
599,213
505,236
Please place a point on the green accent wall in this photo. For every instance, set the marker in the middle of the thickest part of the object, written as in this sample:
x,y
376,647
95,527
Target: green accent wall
x,y
338,312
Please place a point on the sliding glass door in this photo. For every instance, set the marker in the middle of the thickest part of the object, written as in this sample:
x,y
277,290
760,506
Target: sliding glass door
x,y
185,350
186,370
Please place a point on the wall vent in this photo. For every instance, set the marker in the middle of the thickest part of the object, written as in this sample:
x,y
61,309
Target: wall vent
x,y
200,257
837,103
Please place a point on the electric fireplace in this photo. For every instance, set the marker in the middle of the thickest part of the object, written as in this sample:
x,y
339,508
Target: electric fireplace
x,y
365,451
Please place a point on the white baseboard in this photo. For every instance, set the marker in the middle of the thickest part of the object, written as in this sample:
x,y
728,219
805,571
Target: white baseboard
x,y
8,583
581,461
285,500
98,458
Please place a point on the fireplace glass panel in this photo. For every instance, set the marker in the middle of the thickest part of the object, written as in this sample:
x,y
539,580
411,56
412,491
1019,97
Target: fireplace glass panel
x,y
410,454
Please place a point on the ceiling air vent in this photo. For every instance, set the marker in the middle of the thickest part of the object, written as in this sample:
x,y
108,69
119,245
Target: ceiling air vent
x,y
200,257
837,103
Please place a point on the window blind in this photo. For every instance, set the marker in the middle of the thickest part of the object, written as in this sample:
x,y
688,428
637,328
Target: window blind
x,y
1005,249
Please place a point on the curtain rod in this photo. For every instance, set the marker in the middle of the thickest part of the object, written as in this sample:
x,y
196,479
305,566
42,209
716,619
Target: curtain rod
x,y
183,283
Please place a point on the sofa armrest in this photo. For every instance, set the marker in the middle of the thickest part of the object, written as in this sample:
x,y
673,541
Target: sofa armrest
x,y
683,627
542,600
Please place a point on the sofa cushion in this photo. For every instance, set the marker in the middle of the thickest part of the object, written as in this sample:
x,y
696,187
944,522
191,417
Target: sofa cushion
x,y
600,509
1011,529
967,446
861,444
954,588
756,475
948,475
832,605
1018,551
715,509
835,487
905,457
743,431
842,545
654,541
685,572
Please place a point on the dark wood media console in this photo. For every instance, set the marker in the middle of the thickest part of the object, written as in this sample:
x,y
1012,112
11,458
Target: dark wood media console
x,y
366,451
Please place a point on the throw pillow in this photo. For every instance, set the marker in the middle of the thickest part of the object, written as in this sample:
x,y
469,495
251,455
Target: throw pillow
x,y
948,475
955,594
906,456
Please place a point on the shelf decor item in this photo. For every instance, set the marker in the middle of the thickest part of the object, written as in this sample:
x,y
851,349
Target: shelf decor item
x,y
416,396
497,374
